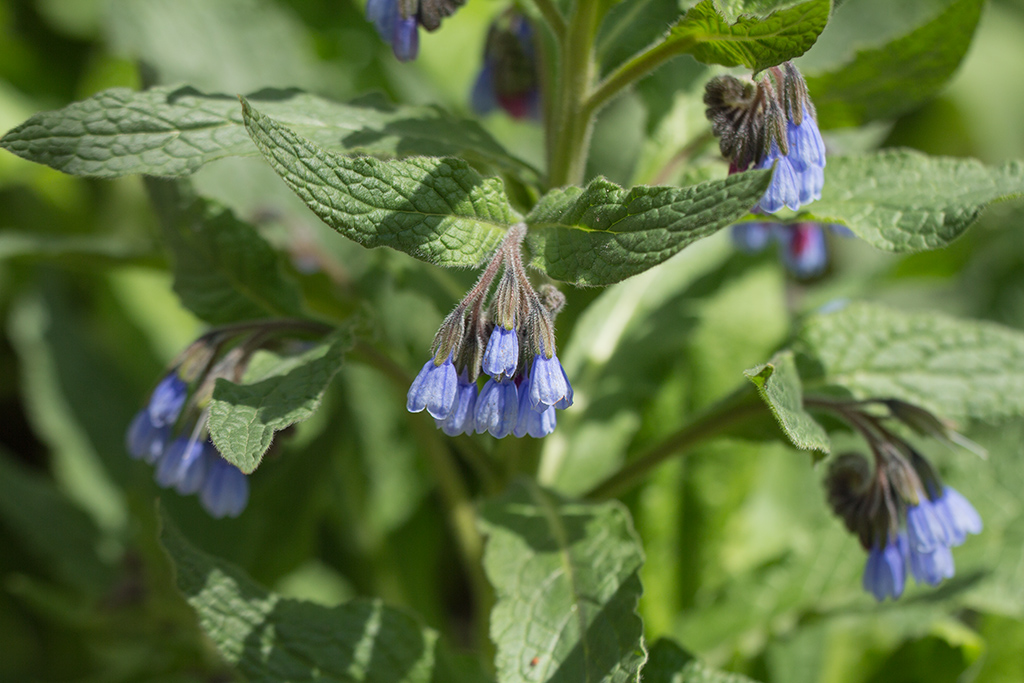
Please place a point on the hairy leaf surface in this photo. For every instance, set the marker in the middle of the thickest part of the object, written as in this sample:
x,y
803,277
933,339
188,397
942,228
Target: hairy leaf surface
x,y
779,386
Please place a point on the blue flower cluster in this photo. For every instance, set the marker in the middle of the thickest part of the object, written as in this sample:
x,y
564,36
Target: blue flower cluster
x,y
799,170
513,347
186,463
933,527
398,21
509,77
801,245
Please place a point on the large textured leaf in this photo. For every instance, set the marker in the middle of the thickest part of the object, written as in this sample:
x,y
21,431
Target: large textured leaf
x,y
955,368
903,200
779,385
278,393
273,639
224,271
438,210
567,584
669,663
751,41
886,81
603,233
172,131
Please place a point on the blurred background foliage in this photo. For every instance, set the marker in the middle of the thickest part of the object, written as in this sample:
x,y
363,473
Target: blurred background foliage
x,y
745,566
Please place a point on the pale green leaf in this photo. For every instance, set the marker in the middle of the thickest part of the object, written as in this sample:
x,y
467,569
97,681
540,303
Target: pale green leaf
x,y
173,130
669,663
779,386
603,233
566,579
892,79
273,639
757,43
244,417
224,271
955,368
438,210
903,200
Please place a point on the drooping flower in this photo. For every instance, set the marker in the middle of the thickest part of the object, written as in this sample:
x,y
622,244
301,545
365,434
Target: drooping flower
x,y
462,419
225,491
549,385
167,400
497,408
509,77
502,353
885,573
536,421
802,247
398,21
434,389
770,124
144,440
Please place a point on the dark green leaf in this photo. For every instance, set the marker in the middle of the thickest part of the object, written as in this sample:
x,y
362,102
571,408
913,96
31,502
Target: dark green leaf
x,y
669,663
438,210
903,200
62,537
752,42
172,131
274,639
890,80
603,233
779,385
955,368
567,584
278,393
224,271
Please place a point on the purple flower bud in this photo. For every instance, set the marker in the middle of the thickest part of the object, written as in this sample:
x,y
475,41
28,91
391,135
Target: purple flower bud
x,y
502,354
751,237
509,78
167,400
462,419
405,41
434,389
549,385
225,491
802,248
145,440
497,408
383,14
885,574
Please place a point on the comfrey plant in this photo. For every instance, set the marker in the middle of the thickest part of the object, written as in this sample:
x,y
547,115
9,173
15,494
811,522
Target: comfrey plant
x,y
903,514
569,555
512,344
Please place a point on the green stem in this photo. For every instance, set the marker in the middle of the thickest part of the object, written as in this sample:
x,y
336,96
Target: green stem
x,y
731,411
569,136
634,70
554,18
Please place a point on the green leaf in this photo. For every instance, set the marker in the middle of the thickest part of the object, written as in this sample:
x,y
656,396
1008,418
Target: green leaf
x,y
752,42
270,638
438,210
669,663
172,131
955,368
278,393
567,584
779,386
224,271
903,200
890,80
603,233
62,537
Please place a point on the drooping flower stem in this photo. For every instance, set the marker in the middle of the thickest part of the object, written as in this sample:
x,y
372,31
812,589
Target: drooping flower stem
x,y
739,407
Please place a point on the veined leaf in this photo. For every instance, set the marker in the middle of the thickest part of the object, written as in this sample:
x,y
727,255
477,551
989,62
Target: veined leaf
x,y
903,200
886,81
271,639
438,210
603,233
244,417
567,584
757,43
955,368
670,663
173,130
779,386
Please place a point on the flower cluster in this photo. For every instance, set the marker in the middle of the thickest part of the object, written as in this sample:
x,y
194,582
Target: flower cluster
x,y
512,343
905,517
398,21
509,78
171,432
770,123
801,245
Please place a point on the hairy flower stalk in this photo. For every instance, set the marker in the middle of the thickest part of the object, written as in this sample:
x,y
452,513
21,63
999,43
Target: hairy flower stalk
x,y
511,343
905,517
770,124
171,431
